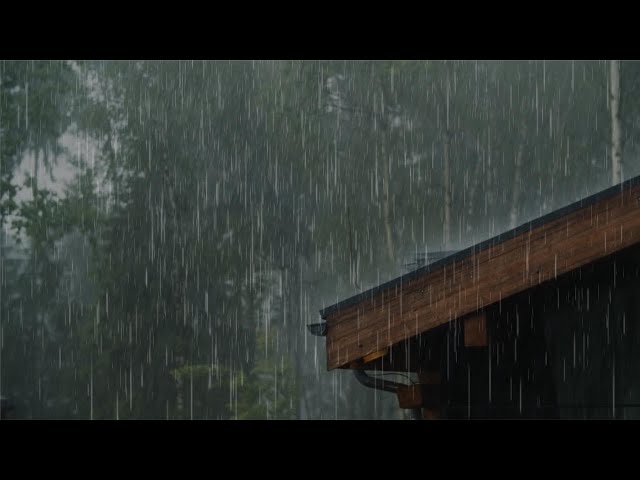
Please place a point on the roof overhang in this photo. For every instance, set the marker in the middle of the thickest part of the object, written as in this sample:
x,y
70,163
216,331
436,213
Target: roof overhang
x,y
483,274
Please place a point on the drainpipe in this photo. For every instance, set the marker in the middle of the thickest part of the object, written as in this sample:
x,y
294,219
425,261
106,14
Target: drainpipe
x,y
385,385
320,330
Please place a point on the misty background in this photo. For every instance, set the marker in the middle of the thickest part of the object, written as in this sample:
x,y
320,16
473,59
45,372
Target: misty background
x,y
170,228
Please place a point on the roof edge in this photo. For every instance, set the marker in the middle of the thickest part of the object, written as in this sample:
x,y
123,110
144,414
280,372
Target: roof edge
x,y
478,247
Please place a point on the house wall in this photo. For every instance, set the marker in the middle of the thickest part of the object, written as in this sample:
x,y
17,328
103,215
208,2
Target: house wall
x,y
569,348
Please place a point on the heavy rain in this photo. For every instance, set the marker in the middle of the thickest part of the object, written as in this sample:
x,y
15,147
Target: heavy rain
x,y
171,229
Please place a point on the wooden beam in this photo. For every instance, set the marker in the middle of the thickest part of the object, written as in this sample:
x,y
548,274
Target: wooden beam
x,y
432,395
501,269
410,396
420,395
475,331
375,355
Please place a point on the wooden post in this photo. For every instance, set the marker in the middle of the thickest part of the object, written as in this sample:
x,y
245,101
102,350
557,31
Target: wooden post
x,y
431,405
475,331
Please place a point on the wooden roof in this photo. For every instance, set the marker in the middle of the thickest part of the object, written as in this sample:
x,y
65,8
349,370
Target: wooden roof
x,y
483,274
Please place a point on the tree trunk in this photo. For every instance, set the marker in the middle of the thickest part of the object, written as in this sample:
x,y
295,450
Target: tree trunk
x,y
387,209
616,130
446,231
34,179
353,262
517,180
477,171
386,162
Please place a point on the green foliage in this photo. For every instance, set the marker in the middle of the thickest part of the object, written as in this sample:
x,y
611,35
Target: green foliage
x,y
270,391
197,371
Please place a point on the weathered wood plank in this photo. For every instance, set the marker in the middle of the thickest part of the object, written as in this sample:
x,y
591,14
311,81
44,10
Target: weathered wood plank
x,y
485,277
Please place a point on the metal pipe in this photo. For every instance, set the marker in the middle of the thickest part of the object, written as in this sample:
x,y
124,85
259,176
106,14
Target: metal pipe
x,y
376,383
385,385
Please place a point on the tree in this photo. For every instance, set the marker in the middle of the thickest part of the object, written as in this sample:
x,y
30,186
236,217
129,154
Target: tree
x,y
616,133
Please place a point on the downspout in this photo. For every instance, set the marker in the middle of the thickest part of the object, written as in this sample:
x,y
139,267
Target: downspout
x,y
385,385
320,330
